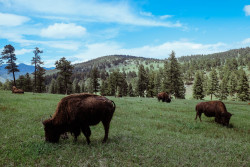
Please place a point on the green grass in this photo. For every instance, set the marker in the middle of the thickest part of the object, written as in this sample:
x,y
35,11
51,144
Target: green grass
x,y
143,132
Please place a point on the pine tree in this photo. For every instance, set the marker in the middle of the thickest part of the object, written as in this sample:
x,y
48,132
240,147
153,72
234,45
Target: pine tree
x,y
151,85
40,79
89,86
82,86
223,88
142,81
65,71
94,79
205,84
112,86
104,88
114,82
243,86
75,87
28,83
174,83
130,90
213,83
37,61
124,87
166,82
198,90
157,83
20,82
59,85
9,55
53,86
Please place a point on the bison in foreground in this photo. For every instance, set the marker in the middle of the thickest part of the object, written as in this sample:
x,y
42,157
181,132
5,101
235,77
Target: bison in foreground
x,y
164,97
75,113
215,109
15,90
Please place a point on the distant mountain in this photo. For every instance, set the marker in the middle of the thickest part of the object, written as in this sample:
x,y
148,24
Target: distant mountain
x,y
23,70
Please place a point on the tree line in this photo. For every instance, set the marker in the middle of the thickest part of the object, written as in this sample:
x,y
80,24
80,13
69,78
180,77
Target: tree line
x,y
228,83
213,80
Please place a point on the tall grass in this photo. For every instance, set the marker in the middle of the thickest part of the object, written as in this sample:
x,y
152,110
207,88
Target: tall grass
x,y
143,132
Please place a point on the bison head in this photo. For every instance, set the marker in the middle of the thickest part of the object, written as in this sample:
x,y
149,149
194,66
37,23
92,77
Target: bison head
x,y
226,118
168,100
51,132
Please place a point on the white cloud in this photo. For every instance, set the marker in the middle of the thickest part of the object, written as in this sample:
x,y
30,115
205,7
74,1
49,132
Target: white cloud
x,y
61,31
246,41
165,16
23,51
181,48
149,14
66,45
114,12
247,10
7,19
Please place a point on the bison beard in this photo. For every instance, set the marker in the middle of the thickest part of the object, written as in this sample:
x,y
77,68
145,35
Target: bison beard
x,y
164,97
215,109
75,113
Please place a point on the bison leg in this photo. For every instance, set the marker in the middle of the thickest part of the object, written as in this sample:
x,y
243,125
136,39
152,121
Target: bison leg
x,y
87,132
106,128
76,134
198,114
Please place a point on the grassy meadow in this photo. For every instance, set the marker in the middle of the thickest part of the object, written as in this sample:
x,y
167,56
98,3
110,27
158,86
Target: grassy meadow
x,y
143,132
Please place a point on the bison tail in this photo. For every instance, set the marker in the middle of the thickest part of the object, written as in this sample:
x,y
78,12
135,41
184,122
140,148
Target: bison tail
x,y
113,104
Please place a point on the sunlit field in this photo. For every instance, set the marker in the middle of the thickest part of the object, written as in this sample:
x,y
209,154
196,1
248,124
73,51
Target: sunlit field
x,y
143,132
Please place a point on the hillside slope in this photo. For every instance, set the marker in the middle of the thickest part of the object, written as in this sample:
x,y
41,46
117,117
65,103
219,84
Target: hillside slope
x,y
113,62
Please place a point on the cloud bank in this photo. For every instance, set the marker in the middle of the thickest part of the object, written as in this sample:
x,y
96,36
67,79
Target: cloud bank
x,y
247,10
61,31
7,19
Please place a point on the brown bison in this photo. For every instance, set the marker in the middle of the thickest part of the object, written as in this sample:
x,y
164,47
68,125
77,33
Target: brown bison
x,y
164,97
75,113
15,90
215,109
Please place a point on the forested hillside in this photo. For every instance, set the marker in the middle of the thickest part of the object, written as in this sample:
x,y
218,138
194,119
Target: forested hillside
x,y
221,75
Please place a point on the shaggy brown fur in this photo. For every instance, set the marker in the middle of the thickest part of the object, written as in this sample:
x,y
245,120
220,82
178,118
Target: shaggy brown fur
x,y
75,113
164,97
15,90
215,109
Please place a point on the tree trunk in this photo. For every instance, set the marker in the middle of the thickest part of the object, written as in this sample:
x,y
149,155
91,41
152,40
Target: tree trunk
x,y
35,77
14,78
66,87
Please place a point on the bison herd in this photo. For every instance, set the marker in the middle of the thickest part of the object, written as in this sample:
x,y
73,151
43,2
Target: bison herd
x,y
76,113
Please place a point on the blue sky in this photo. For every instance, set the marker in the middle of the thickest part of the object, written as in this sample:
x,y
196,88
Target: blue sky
x,y
83,30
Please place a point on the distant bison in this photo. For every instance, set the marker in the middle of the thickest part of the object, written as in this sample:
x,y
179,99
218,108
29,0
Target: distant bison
x,y
15,90
215,109
75,113
164,97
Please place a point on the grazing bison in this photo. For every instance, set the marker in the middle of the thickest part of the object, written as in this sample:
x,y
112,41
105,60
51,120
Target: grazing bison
x,y
75,113
215,109
15,90
164,97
